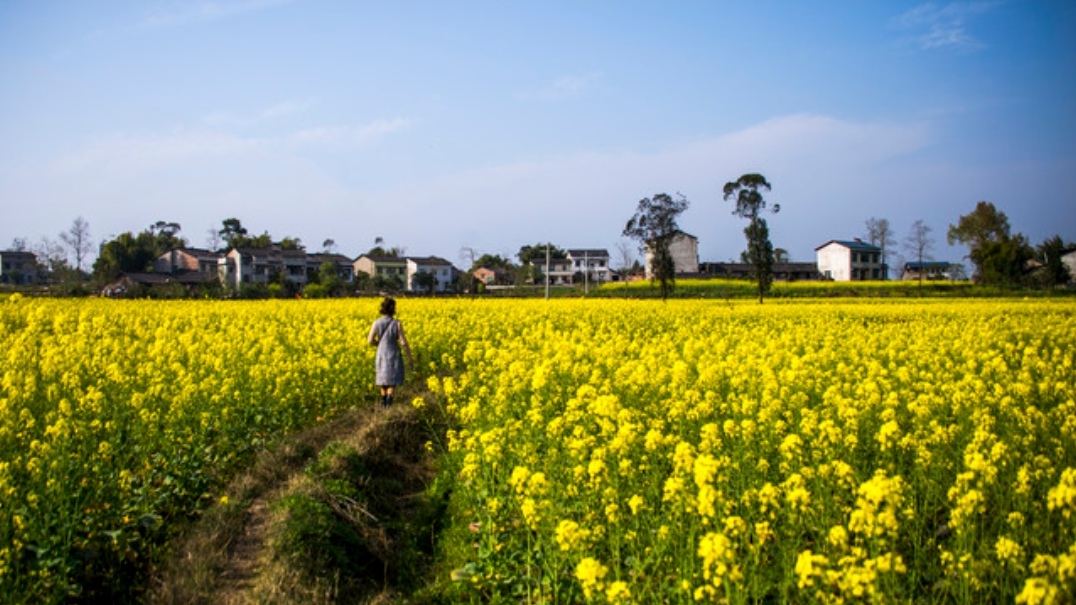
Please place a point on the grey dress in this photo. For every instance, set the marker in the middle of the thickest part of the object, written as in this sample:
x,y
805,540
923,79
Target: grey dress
x,y
385,333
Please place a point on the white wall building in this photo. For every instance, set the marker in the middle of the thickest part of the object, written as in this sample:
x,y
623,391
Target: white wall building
x,y
684,249
853,260
440,268
592,263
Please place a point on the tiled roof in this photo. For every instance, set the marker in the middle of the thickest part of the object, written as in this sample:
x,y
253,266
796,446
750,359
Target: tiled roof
x,y
860,246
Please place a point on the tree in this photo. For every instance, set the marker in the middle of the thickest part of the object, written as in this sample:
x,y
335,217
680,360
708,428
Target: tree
x,y
999,257
626,259
51,257
424,280
918,244
380,250
19,245
77,239
127,253
749,205
291,243
328,246
165,237
1054,272
532,261
654,225
880,234
530,254
213,240
232,232
493,261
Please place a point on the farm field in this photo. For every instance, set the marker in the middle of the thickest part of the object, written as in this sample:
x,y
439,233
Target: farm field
x,y
600,450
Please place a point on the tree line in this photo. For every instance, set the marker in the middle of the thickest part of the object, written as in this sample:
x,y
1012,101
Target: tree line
x,y
1001,258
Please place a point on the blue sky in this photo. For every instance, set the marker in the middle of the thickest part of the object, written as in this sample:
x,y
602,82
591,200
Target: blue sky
x,y
490,125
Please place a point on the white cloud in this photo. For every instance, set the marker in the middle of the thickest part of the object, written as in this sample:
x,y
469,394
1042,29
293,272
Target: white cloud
x,y
823,170
933,26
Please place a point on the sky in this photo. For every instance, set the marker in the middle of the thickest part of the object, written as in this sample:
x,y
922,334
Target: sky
x,y
444,127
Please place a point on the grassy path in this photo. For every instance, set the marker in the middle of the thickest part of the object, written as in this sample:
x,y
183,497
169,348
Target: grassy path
x,y
337,514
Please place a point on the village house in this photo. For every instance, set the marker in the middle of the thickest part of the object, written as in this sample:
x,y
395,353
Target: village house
x,y
441,270
781,271
17,267
491,277
592,264
558,271
385,267
915,270
684,249
1068,257
196,261
247,266
854,260
342,265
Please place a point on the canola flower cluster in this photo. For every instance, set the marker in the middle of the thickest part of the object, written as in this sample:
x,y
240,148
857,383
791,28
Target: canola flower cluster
x,y
117,417
829,452
603,451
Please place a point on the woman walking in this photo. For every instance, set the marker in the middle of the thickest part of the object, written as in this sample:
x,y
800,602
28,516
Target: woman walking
x,y
388,336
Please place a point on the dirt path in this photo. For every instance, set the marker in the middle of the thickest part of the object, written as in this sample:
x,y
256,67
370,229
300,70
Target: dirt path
x,y
225,558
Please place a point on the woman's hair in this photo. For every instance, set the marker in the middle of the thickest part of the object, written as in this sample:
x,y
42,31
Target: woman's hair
x,y
388,306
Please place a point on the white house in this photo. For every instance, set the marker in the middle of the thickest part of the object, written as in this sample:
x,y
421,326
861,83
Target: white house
x,y
1069,258
853,260
684,249
440,268
261,265
592,263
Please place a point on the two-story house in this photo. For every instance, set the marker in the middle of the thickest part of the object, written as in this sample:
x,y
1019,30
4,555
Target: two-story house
x,y
592,263
342,266
853,260
241,266
386,267
684,249
558,271
441,270
17,267
203,265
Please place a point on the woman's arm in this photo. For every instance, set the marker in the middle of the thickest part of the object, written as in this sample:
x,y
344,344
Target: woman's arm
x,y
372,338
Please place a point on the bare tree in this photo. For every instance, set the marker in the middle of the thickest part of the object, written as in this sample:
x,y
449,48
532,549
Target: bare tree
x,y
77,239
918,244
468,255
625,257
50,255
213,240
19,245
880,234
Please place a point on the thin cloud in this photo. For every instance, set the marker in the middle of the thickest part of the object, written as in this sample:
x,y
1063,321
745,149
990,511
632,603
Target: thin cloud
x,y
348,135
943,26
282,109
562,88
184,13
